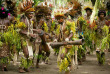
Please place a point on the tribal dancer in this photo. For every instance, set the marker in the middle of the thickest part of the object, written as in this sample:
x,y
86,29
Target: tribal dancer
x,y
28,36
65,32
101,35
43,17
89,44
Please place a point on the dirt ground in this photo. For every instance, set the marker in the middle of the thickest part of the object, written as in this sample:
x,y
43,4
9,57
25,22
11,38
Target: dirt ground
x,y
90,66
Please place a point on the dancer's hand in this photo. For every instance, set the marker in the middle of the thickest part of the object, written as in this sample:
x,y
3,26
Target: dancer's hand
x,y
32,35
67,39
55,40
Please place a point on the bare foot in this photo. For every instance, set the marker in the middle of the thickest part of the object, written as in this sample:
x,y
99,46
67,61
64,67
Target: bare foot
x,y
109,63
4,68
42,63
27,70
21,71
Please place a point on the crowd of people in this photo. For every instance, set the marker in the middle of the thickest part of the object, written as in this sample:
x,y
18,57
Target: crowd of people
x,y
73,31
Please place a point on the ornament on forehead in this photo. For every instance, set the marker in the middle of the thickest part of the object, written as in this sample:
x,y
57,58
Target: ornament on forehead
x,y
101,11
31,12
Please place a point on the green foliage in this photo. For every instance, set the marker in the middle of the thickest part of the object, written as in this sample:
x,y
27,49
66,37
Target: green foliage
x,y
66,62
20,25
64,65
86,0
56,50
1,43
100,57
4,60
81,52
41,56
57,30
53,25
68,0
83,22
71,26
24,43
105,30
12,38
45,27
105,38
105,43
26,63
88,35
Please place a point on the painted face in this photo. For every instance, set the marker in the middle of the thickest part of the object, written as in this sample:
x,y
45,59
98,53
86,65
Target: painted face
x,y
48,16
88,12
30,15
60,20
101,15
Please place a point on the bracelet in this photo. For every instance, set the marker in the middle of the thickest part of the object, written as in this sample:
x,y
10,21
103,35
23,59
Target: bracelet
x,y
42,33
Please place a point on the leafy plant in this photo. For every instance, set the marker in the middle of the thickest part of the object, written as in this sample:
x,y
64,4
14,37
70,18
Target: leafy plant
x,y
64,65
26,63
20,25
1,43
100,57
71,26
56,50
53,25
57,30
4,60
45,27
12,38
66,62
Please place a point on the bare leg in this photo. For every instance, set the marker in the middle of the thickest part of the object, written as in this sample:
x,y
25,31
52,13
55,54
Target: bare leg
x,y
38,58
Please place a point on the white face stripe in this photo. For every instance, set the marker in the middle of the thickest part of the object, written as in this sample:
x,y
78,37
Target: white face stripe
x,y
30,12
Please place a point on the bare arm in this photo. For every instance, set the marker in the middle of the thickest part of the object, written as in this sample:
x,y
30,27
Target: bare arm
x,y
70,36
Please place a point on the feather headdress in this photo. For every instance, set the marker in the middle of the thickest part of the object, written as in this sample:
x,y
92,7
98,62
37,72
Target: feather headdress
x,y
88,5
75,4
60,12
76,8
42,10
26,6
